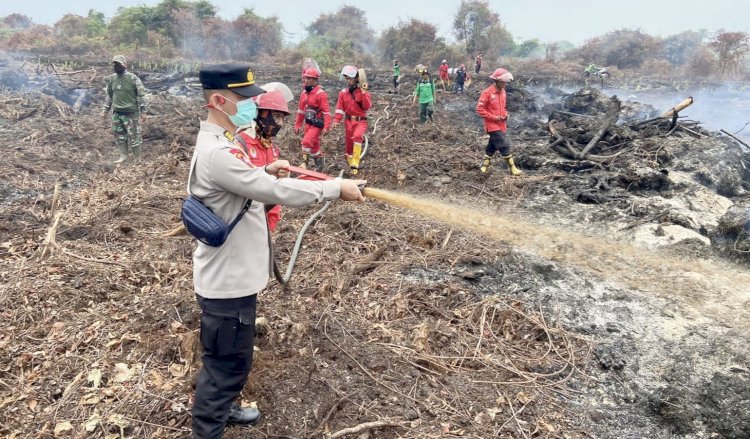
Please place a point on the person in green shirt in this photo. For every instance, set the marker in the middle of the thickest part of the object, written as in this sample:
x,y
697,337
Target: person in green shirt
x,y
126,98
425,91
396,75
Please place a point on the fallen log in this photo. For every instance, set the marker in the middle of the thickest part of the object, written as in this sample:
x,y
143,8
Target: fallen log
x,y
565,152
679,107
612,114
568,113
697,134
570,152
674,112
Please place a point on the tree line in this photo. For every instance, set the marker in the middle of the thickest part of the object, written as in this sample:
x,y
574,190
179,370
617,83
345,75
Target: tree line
x,y
191,29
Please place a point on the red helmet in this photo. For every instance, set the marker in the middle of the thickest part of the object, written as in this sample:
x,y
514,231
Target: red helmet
x,y
272,100
311,72
275,98
501,75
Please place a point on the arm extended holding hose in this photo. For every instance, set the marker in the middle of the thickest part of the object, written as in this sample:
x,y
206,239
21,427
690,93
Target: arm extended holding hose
x,y
351,190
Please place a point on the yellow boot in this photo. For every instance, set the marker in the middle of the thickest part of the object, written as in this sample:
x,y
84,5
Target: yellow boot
x,y
354,164
512,166
485,163
305,160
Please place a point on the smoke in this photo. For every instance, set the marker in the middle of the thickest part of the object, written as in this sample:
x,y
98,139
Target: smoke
x,y
14,77
724,106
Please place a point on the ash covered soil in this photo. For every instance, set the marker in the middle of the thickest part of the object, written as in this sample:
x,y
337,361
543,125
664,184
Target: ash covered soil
x,y
613,303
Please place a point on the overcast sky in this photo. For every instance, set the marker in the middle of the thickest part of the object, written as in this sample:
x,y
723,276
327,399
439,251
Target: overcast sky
x,y
547,20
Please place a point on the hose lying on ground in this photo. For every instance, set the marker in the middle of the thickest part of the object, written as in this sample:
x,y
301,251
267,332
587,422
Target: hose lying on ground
x,y
284,279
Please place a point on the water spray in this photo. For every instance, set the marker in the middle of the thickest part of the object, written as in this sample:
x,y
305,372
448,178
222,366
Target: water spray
x,y
633,266
636,267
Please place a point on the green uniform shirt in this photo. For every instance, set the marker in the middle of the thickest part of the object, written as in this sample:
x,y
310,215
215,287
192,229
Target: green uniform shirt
x,y
425,91
125,93
397,70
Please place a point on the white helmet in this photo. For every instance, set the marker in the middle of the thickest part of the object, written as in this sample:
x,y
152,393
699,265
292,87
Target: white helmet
x,y
348,72
445,61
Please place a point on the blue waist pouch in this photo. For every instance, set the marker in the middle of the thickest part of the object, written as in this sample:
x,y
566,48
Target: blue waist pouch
x,y
204,225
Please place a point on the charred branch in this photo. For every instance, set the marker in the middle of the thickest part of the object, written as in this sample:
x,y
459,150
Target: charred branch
x,y
611,117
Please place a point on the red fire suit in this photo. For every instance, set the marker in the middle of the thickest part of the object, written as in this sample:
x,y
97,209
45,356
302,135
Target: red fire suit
x,y
260,152
353,107
443,71
491,105
315,101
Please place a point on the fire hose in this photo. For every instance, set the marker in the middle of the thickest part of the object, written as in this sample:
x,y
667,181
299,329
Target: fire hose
x,y
310,175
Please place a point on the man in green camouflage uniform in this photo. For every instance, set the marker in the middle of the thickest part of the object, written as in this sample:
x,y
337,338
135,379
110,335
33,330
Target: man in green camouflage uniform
x,y
126,98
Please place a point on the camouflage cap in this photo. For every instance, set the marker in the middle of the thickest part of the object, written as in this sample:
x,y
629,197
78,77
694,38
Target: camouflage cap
x,y
120,59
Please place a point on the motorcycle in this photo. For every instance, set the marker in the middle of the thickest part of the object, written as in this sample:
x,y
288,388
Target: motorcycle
x,y
599,72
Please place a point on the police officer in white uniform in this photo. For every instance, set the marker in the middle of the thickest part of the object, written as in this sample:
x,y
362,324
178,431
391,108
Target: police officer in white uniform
x,y
228,278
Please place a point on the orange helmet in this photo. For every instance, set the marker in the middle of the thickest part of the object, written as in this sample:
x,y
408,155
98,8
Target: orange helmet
x,y
311,72
501,75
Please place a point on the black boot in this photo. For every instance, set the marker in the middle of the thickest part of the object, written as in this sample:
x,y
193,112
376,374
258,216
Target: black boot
x,y
243,415
319,162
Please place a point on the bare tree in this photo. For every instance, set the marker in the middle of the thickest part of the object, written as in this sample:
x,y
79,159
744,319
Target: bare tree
x,y
731,47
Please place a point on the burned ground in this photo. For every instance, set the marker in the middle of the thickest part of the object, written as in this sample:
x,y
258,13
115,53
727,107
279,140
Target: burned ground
x,y
429,329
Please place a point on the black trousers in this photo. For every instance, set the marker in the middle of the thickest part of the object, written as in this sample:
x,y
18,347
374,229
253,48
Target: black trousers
x,y
498,142
227,337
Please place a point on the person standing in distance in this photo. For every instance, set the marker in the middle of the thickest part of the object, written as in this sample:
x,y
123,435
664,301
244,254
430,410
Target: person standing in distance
x,y
126,97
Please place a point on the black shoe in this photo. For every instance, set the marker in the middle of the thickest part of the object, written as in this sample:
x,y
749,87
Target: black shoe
x,y
243,415
319,162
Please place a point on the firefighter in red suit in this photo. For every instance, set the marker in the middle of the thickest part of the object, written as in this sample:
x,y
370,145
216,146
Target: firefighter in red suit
x,y
315,114
352,106
491,107
257,138
443,72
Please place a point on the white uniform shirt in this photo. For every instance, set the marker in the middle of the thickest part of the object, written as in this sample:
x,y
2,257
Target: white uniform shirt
x,y
221,179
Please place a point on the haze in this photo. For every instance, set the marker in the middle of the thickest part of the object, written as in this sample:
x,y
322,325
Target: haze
x,y
547,20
